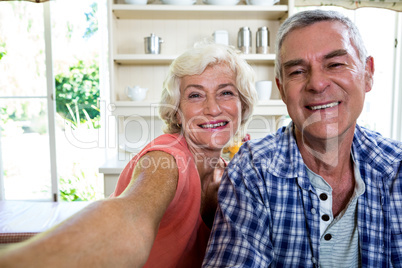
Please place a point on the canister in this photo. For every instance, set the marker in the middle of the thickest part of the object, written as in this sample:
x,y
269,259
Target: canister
x,y
244,40
262,40
152,44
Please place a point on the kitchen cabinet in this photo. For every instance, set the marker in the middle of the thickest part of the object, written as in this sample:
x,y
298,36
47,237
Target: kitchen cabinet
x,y
180,27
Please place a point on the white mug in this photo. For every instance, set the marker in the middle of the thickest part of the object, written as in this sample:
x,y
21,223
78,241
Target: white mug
x,y
264,89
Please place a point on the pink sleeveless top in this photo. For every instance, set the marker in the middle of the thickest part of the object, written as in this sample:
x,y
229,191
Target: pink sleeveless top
x,y
182,237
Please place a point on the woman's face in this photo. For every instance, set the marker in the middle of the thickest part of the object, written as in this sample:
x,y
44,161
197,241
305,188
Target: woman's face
x,y
210,108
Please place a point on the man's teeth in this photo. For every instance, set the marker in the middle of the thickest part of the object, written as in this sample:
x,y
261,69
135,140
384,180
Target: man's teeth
x,y
214,125
329,105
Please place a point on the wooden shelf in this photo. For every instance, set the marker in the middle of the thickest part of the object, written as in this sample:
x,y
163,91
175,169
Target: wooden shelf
x,y
136,108
260,58
207,12
151,59
182,26
150,108
143,59
270,108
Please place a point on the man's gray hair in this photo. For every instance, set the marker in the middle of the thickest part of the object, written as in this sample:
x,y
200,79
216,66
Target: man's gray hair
x,y
306,18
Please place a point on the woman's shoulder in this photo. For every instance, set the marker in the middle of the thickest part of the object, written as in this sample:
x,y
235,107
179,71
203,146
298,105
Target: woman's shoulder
x,y
171,144
168,141
176,146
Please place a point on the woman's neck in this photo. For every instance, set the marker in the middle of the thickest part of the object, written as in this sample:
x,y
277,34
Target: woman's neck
x,y
206,161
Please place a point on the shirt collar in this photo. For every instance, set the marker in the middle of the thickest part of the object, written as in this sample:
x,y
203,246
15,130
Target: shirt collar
x,y
287,161
370,147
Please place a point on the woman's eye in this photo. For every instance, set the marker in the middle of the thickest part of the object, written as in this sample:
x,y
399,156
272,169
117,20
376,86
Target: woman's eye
x,y
227,93
194,95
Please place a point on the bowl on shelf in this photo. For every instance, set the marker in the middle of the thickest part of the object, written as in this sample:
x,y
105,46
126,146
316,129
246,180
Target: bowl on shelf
x,y
221,2
179,2
262,2
137,2
136,93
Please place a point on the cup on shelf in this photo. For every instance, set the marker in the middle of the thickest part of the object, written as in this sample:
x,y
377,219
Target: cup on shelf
x,y
264,89
136,2
221,37
136,93
262,2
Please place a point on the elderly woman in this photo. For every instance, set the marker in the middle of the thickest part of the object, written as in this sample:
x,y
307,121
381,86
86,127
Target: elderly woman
x,y
167,195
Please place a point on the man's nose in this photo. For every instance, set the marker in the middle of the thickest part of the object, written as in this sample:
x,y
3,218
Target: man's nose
x,y
318,80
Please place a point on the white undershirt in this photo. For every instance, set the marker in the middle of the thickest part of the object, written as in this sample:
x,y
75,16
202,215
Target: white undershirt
x,y
339,239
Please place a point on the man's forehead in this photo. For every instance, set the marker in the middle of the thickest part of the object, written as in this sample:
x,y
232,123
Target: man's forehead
x,y
320,28
322,39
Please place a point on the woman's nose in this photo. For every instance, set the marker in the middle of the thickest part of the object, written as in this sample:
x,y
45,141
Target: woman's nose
x,y
318,80
212,107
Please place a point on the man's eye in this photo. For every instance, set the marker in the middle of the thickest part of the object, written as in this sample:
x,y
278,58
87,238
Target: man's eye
x,y
334,65
297,72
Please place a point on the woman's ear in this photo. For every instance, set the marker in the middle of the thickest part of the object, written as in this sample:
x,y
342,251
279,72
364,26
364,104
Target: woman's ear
x,y
369,73
178,118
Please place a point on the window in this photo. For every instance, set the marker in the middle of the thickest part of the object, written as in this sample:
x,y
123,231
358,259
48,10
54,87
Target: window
x,y
47,154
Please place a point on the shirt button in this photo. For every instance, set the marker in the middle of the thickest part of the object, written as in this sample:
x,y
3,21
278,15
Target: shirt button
x,y
313,260
323,196
327,237
313,211
325,217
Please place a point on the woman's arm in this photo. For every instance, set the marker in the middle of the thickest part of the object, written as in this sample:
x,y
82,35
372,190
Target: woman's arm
x,y
117,232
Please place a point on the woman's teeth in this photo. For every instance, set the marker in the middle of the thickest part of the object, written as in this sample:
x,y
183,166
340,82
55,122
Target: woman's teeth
x,y
319,107
213,125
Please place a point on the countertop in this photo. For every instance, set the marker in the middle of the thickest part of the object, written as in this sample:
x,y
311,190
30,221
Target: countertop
x,y
20,220
116,163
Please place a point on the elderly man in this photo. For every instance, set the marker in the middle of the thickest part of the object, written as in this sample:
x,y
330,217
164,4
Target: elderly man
x,y
323,191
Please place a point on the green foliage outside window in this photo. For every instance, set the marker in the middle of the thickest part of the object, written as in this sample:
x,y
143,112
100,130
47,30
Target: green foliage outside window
x,y
2,54
78,90
78,187
3,117
92,20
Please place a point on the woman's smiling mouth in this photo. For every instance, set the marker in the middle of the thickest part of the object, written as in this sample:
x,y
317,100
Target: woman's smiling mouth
x,y
215,125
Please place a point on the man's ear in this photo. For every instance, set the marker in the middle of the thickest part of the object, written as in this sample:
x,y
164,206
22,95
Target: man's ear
x,y
369,73
280,87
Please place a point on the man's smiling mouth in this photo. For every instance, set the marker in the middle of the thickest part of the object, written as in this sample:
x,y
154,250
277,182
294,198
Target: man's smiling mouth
x,y
324,106
220,124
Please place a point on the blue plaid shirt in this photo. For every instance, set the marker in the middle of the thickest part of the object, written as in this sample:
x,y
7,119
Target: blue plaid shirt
x,y
268,212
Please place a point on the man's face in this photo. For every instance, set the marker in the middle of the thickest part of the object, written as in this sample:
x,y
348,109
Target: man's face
x,y
323,83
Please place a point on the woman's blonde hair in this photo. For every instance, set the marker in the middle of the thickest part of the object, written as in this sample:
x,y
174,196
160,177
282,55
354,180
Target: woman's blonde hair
x,y
194,62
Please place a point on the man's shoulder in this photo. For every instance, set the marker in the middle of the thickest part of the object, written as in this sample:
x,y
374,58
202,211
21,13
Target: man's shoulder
x,y
268,144
376,151
368,140
272,148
